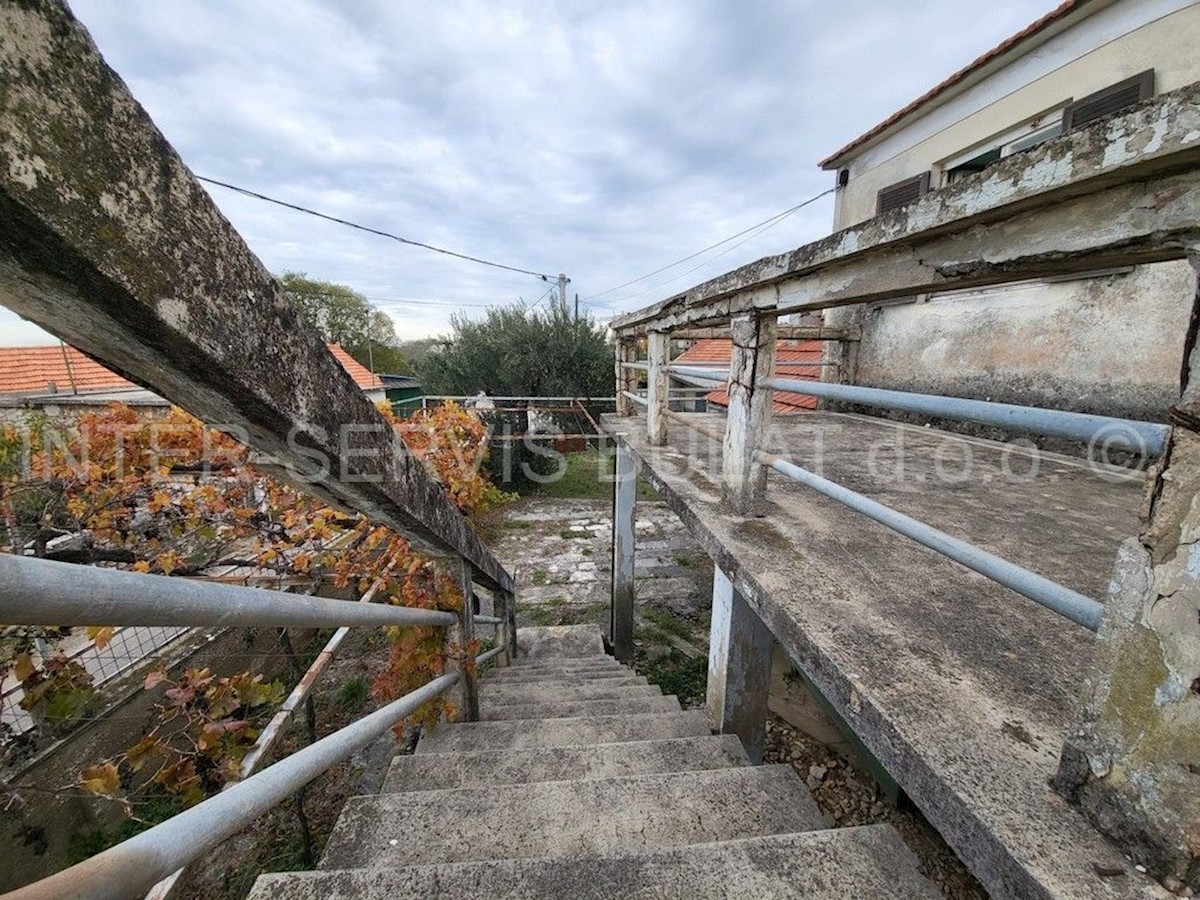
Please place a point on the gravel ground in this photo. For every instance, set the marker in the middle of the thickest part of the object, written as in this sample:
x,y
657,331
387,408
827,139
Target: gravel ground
x,y
851,797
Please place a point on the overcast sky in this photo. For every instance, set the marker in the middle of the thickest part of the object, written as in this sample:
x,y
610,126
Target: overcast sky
x,y
603,140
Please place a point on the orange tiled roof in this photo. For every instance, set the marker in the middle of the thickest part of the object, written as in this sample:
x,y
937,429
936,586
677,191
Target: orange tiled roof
x,y
32,370
362,376
40,370
790,359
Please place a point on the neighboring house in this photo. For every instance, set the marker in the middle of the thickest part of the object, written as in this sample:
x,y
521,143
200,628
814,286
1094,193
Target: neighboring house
x,y
59,379
1105,341
793,359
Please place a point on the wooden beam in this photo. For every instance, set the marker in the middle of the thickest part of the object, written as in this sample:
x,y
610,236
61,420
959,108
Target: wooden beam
x,y
109,242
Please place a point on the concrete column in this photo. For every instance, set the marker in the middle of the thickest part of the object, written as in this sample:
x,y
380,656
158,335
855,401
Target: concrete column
x,y
458,639
625,379
658,383
1133,763
623,546
739,668
753,360
510,626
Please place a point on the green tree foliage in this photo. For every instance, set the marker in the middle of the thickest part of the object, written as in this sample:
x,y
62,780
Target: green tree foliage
x,y
514,351
344,316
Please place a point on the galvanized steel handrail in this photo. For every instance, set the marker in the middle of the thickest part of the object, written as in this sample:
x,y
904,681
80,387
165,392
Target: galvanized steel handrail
x,y
1073,605
134,866
42,592
636,398
489,655
1146,438
487,620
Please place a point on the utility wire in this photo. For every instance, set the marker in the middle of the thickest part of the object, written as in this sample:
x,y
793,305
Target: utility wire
x,y
768,223
369,230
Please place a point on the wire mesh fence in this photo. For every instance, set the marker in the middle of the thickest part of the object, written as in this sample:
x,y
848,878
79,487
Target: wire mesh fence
x,y
31,721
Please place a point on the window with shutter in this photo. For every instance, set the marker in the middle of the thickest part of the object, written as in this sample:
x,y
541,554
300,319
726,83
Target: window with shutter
x,y
901,193
1108,101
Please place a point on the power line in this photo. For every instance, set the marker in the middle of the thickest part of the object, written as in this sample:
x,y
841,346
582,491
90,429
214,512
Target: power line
x,y
764,225
376,231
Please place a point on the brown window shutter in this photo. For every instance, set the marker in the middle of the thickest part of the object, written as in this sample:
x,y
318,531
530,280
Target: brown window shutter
x,y
1108,101
901,193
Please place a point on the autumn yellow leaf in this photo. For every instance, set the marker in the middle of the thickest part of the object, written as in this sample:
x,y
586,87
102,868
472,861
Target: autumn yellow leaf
x,y
103,779
101,635
23,666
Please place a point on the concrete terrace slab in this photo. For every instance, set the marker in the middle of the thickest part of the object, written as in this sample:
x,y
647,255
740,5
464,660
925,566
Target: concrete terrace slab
x,y
963,689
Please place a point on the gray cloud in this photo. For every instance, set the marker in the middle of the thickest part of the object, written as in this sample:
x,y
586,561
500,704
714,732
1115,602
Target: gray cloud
x,y
602,140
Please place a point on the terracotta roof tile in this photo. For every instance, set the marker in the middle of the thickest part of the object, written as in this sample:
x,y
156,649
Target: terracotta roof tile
x,y
790,360
999,50
40,370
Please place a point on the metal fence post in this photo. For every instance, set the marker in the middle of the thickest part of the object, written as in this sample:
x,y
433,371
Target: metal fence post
x,y
739,668
753,361
623,545
658,381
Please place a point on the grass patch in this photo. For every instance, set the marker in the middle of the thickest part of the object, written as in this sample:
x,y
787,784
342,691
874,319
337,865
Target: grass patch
x,y
150,810
540,577
353,693
588,476
676,673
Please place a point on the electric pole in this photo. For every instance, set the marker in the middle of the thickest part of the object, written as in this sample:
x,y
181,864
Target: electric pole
x,y
563,281
577,306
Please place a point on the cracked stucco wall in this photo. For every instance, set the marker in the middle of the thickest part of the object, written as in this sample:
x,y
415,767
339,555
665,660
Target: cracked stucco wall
x,y
1133,764
1109,344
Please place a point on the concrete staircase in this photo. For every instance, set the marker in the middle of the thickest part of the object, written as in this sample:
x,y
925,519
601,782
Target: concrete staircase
x,y
581,780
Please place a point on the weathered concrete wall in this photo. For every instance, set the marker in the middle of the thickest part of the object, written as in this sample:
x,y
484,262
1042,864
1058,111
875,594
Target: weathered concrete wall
x,y
1133,763
1110,344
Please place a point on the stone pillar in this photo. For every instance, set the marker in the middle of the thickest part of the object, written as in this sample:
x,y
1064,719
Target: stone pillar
x,y
753,360
623,544
658,382
626,378
739,668
1133,763
458,639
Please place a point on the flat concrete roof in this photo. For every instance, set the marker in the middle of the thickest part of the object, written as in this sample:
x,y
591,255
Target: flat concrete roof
x,y
963,689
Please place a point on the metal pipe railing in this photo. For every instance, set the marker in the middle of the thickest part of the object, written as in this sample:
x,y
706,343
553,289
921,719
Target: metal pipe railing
x,y
636,398
639,366
42,592
487,620
1072,604
132,867
1075,606
489,655
1147,438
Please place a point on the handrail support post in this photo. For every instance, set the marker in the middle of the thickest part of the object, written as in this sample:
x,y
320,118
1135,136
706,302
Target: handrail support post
x,y
752,362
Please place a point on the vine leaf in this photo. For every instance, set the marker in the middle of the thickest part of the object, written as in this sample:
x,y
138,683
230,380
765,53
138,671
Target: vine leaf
x,y
103,779
101,635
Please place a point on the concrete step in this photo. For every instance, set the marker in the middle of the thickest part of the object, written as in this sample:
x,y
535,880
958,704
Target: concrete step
x,y
566,662
542,692
526,734
867,863
561,666
436,771
510,676
557,709
559,640
565,818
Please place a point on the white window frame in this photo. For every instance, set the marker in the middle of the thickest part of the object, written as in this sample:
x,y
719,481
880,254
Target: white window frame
x,y
1006,140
